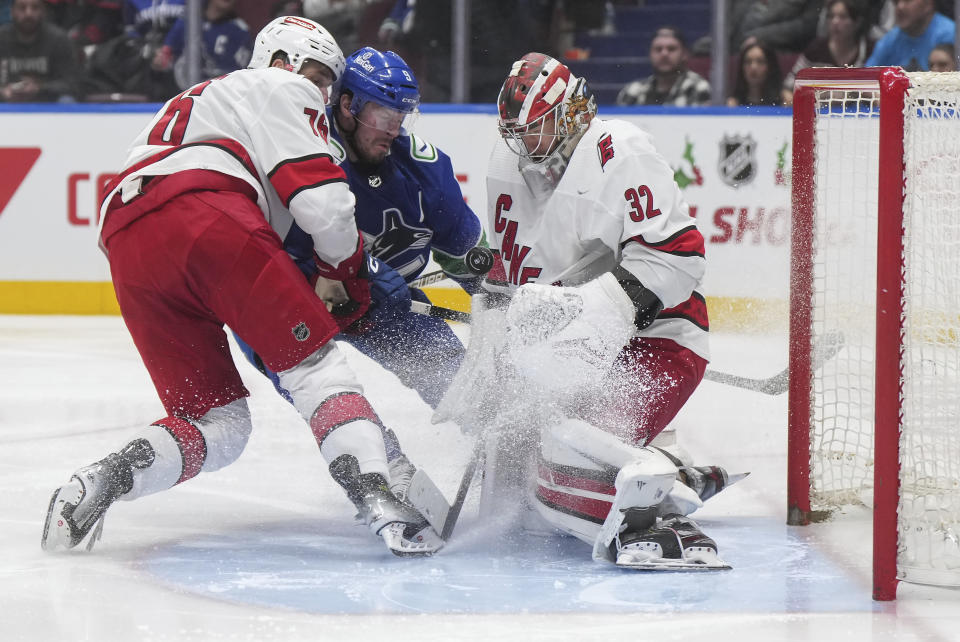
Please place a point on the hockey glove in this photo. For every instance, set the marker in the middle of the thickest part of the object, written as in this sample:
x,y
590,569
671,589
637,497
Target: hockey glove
x,y
350,298
389,294
565,339
647,303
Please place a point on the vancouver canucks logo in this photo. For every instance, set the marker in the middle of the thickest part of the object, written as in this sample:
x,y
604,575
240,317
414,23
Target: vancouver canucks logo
x,y
396,237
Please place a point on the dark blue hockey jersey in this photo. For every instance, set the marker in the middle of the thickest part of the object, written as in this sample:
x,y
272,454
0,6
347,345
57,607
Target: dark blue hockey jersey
x,y
409,205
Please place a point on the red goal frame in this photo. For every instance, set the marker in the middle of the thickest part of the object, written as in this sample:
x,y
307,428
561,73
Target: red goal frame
x,y
892,84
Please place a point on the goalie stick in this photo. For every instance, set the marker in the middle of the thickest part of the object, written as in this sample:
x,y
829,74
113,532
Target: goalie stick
x,y
826,347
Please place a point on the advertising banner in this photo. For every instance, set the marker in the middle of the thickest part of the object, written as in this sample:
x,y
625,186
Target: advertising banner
x,y
733,167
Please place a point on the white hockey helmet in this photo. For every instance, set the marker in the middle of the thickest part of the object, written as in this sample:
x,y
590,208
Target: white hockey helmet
x,y
301,39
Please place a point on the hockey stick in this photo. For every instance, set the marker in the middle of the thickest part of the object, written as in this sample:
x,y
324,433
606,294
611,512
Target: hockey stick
x,y
424,495
438,312
465,481
825,349
429,278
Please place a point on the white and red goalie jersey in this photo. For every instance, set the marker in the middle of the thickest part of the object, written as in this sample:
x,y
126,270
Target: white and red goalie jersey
x,y
266,127
616,203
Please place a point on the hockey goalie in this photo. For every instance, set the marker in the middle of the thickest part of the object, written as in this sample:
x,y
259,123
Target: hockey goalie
x,y
592,334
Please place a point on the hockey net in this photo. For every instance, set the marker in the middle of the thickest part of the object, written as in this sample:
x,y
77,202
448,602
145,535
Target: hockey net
x,y
876,266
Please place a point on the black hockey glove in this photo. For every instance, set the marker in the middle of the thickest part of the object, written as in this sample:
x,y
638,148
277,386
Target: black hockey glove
x,y
647,303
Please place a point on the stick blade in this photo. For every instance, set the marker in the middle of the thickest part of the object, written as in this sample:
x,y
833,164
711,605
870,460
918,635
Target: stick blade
x,y
424,495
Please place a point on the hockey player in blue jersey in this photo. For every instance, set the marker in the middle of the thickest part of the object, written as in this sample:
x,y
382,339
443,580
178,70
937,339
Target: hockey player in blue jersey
x,y
409,207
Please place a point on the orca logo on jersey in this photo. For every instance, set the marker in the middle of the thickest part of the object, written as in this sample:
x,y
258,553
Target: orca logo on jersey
x,y
301,332
605,149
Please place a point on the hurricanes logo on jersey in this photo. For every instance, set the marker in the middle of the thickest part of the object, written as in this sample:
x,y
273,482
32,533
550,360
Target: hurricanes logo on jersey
x,y
605,149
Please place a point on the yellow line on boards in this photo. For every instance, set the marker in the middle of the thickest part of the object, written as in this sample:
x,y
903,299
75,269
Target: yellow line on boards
x,y
85,297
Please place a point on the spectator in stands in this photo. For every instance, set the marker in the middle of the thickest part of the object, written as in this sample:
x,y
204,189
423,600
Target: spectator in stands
x,y
151,19
286,8
341,17
87,22
782,24
500,32
943,57
226,43
759,78
919,29
671,82
37,61
847,42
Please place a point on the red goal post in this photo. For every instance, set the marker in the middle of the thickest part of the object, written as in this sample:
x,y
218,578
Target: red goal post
x,y
875,259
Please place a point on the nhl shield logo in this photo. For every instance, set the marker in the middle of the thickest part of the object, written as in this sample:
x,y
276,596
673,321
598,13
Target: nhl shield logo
x,y
738,162
301,332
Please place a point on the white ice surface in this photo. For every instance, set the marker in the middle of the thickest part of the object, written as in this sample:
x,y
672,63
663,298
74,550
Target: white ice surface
x,y
266,549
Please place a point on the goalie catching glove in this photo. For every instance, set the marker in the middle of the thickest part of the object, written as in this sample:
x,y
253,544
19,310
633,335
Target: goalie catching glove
x,y
566,338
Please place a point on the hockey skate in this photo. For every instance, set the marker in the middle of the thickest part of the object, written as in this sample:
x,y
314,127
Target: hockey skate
x,y
79,506
672,543
404,530
707,481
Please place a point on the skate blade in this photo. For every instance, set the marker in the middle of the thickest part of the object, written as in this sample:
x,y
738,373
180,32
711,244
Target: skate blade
x,y
423,544
694,560
675,565
57,533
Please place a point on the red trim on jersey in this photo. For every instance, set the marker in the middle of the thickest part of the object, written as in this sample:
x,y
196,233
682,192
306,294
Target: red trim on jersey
x,y
693,310
290,177
228,145
572,481
594,510
686,242
193,447
338,410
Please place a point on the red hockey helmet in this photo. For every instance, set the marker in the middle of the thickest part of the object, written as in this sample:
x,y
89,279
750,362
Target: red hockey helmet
x,y
541,105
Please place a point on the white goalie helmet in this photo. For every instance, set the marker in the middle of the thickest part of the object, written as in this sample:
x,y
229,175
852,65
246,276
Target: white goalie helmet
x,y
301,39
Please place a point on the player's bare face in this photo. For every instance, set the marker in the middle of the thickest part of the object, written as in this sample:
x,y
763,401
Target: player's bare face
x,y
319,74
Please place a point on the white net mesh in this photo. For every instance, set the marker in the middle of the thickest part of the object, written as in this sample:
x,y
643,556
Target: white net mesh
x,y
929,509
844,300
844,286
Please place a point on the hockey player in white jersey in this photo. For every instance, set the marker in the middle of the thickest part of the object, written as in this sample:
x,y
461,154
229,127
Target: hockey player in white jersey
x,y
605,335
193,228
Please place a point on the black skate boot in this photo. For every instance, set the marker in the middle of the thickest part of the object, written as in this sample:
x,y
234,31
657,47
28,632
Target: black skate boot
x,y
404,530
81,504
706,481
674,543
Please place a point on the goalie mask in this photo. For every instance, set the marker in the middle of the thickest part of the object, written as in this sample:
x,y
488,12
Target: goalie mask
x,y
300,39
544,111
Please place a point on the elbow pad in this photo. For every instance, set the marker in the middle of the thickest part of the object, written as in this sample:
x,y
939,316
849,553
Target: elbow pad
x,y
647,303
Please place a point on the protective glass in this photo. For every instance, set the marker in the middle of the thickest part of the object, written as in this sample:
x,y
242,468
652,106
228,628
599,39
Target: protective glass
x,y
534,140
386,119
